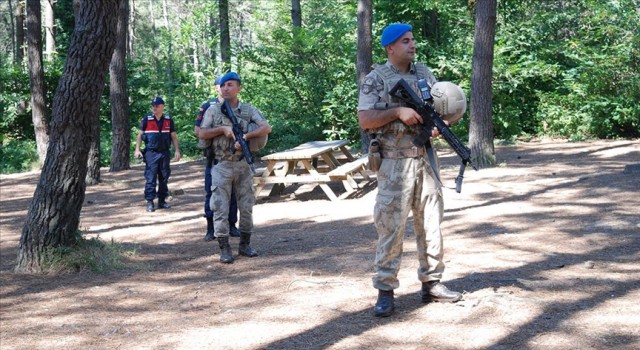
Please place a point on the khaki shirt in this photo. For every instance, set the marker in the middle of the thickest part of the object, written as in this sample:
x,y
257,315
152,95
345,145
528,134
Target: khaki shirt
x,y
395,136
222,146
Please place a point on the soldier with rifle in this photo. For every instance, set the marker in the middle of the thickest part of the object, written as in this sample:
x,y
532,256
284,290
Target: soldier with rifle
x,y
408,173
233,205
225,129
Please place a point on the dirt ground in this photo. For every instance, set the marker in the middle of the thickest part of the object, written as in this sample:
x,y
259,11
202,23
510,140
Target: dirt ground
x,y
545,247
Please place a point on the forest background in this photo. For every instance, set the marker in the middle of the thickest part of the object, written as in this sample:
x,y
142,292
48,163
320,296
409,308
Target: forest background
x,y
561,68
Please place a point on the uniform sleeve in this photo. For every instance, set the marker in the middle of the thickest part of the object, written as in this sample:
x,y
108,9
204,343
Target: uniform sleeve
x,y
172,126
371,91
207,118
203,109
256,116
143,123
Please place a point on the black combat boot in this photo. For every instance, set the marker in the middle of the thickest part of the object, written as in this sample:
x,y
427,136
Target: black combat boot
x,y
384,306
244,248
209,236
436,291
226,256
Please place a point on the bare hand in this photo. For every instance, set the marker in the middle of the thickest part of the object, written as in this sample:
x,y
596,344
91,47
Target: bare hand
x,y
177,156
228,132
409,116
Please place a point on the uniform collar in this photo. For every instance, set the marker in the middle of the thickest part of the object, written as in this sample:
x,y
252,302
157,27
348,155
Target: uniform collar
x,y
412,68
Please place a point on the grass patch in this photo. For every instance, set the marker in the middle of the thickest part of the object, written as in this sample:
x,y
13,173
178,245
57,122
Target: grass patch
x,y
92,254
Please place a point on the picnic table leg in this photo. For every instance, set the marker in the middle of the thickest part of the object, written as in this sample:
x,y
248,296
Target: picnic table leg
x,y
289,168
327,190
331,161
270,166
347,153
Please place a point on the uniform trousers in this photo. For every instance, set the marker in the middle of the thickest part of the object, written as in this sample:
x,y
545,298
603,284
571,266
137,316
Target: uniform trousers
x,y
156,170
407,185
233,207
225,176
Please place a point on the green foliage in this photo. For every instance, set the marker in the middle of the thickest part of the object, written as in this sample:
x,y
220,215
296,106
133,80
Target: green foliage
x,y
561,68
18,155
86,255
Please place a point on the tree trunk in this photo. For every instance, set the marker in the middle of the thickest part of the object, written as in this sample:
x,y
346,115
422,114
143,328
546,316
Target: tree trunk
x,y
225,42
170,79
481,124
49,28
54,212
93,159
296,21
36,78
17,40
213,33
19,53
120,130
364,59
296,13
132,29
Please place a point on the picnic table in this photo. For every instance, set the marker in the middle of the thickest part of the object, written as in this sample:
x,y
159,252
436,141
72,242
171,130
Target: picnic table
x,y
282,169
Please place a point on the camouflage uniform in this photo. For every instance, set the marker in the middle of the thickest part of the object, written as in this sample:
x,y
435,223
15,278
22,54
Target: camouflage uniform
x,y
408,180
231,170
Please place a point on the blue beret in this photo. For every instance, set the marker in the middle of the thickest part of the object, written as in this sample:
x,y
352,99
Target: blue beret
x,y
229,76
157,101
394,31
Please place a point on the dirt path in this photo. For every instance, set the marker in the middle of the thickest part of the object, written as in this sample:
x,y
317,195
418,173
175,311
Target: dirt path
x,y
546,248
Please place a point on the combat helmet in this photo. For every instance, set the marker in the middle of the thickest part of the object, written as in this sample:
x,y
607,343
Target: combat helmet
x,y
449,101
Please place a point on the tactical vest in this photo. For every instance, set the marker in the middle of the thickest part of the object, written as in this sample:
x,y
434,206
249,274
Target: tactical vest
x,y
222,145
396,135
157,139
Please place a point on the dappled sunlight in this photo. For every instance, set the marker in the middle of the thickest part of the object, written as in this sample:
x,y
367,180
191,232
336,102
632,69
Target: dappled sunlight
x,y
543,258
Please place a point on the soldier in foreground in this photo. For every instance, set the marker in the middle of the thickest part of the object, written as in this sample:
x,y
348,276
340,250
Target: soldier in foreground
x,y
408,176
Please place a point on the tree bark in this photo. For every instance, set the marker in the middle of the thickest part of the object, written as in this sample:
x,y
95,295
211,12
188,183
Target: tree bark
x,y
49,28
171,82
121,140
93,158
54,212
296,13
19,53
36,78
225,41
481,124
364,59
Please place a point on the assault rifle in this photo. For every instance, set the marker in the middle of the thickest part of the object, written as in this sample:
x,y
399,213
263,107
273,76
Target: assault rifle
x,y
431,119
239,135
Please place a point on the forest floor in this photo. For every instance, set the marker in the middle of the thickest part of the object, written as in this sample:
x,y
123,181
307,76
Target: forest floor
x,y
545,247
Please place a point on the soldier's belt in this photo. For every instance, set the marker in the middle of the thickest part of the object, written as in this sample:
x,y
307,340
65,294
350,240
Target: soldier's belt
x,y
412,152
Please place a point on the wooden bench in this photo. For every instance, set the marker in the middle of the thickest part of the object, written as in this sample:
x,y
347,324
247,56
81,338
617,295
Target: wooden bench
x,y
345,173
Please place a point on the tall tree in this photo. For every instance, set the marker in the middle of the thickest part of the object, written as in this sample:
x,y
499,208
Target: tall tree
x,y
118,94
225,41
49,29
296,20
296,13
93,158
54,212
481,124
19,50
170,79
36,77
364,59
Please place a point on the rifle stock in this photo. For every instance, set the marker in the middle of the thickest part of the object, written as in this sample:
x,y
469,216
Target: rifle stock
x,y
432,119
239,135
